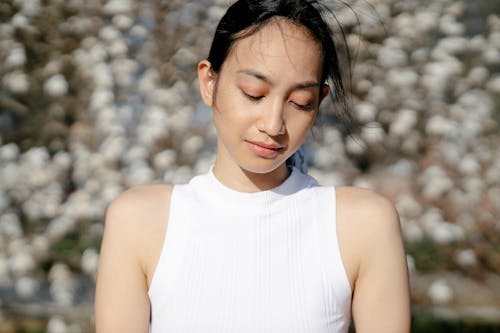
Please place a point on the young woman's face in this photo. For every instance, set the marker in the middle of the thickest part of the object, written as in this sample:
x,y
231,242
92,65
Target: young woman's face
x,y
266,96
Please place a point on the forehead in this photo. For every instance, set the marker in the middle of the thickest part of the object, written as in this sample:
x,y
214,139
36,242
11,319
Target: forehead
x,y
278,44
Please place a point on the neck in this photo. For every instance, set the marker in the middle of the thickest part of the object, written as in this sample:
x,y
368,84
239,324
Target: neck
x,y
243,180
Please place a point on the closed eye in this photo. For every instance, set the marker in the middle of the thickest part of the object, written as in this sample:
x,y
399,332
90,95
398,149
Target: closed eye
x,y
306,107
252,97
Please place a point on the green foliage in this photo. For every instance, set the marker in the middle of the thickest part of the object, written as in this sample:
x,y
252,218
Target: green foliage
x,y
423,322
33,330
66,248
430,256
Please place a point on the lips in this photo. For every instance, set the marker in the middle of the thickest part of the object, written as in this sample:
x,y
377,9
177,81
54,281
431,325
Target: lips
x,y
264,150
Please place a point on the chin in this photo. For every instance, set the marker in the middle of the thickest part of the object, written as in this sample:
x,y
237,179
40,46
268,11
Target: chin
x,y
262,166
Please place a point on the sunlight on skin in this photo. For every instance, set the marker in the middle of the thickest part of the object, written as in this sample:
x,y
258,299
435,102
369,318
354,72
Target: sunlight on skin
x,y
265,100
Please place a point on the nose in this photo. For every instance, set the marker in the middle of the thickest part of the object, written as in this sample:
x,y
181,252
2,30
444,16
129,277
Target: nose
x,y
271,120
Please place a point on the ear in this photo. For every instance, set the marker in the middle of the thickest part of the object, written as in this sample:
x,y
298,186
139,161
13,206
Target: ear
x,y
325,89
207,79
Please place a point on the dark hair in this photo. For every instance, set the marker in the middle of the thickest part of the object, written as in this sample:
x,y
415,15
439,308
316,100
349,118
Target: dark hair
x,y
246,17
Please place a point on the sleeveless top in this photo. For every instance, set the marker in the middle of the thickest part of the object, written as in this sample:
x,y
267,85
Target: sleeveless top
x,y
251,262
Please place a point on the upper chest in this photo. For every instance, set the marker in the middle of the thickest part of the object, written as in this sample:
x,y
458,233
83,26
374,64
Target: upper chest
x,y
279,273
304,233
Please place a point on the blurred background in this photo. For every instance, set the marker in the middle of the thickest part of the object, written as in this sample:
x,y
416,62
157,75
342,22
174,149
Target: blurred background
x,y
97,96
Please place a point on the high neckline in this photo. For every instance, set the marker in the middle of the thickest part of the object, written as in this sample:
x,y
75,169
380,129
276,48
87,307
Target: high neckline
x,y
283,188
288,186
219,196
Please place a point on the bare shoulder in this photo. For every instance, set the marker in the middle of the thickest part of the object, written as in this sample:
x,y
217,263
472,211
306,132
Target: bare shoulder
x,y
367,222
136,199
139,208
133,234
138,217
372,247
366,208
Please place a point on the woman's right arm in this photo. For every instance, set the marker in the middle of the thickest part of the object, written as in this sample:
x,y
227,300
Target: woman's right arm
x,y
121,300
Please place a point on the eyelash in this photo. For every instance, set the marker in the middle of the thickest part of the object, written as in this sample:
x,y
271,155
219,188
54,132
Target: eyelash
x,y
306,107
253,98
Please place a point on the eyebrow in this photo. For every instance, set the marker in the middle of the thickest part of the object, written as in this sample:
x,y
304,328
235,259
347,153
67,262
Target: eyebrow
x,y
262,77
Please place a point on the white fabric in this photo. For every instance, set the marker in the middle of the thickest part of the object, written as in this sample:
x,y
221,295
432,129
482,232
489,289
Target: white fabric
x,y
251,262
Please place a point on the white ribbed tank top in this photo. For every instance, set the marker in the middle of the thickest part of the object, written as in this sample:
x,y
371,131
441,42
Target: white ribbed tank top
x,y
251,262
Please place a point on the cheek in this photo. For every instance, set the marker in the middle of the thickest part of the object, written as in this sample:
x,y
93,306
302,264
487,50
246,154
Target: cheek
x,y
300,118
229,116
231,107
226,98
299,126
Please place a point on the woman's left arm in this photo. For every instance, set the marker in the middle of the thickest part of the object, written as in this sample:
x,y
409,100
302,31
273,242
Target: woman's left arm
x,y
381,299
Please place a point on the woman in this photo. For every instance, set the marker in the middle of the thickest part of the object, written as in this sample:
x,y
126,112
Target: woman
x,y
255,245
